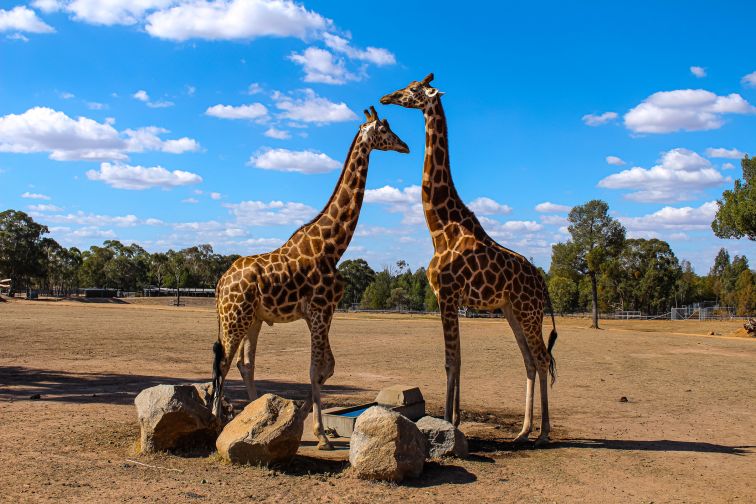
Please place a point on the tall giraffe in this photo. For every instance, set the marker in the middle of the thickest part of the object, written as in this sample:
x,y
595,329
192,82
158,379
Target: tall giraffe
x,y
299,280
470,269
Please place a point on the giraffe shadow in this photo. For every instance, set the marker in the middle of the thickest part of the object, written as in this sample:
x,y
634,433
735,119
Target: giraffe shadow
x,y
26,383
480,446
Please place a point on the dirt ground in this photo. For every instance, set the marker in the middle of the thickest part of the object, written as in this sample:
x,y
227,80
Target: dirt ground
x,y
687,432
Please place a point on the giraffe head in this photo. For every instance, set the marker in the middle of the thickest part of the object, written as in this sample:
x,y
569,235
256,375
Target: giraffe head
x,y
378,135
419,95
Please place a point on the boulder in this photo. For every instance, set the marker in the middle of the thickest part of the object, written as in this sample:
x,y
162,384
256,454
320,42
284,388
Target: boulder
x,y
174,417
205,392
406,400
267,431
386,446
442,437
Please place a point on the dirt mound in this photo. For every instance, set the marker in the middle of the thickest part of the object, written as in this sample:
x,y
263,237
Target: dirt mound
x,y
741,333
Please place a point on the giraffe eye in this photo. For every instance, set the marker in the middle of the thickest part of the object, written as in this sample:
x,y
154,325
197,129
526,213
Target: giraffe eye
x,y
415,89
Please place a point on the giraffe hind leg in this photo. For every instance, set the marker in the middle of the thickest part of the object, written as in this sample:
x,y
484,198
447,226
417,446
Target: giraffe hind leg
x,y
530,371
542,359
246,362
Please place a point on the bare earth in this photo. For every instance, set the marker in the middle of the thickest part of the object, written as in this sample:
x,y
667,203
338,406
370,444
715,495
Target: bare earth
x,y
686,434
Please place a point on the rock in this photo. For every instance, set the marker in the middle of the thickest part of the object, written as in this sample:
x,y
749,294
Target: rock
x,y
205,392
386,446
442,438
404,399
623,399
174,417
267,431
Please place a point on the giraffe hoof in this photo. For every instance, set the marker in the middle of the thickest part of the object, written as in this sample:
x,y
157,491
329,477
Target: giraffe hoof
x,y
521,439
542,441
325,446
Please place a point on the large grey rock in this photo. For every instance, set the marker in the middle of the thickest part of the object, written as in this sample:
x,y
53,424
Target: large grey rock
x,y
174,417
386,446
443,439
267,431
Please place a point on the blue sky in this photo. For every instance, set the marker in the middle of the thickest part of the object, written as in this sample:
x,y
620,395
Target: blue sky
x,y
174,122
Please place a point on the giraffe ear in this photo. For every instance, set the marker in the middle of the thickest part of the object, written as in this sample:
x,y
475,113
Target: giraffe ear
x,y
431,92
428,79
367,114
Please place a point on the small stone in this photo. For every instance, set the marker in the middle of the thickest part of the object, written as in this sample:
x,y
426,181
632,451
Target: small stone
x,y
623,399
268,431
386,446
35,397
443,438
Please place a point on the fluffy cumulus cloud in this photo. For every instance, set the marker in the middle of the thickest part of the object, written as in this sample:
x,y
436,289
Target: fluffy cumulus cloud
x,y
750,79
405,201
235,20
42,207
680,175
96,220
277,133
123,176
674,218
22,19
109,12
274,213
487,206
684,109
143,96
36,196
252,111
721,152
322,66
698,71
285,160
307,107
599,119
549,207
374,55
614,160
41,129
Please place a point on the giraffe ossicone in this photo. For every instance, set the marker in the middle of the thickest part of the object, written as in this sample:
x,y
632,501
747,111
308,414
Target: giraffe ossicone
x,y
470,269
298,280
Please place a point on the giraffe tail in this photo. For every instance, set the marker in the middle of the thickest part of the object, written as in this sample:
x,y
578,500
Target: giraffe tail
x,y
552,340
218,355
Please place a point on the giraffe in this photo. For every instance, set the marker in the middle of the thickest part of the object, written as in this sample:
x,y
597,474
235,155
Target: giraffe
x,y
299,280
470,269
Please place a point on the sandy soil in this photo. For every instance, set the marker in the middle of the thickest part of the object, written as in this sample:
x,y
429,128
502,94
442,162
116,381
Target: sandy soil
x,y
686,434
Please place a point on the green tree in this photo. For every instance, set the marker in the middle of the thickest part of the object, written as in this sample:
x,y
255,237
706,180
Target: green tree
x,y
398,299
736,212
563,293
376,294
745,289
21,252
357,275
649,272
596,237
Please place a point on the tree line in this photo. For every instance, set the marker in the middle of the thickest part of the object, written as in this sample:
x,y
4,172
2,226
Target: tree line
x,y
598,269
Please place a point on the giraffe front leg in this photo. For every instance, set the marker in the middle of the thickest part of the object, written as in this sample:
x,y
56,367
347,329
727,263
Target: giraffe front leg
x,y
450,322
321,368
543,438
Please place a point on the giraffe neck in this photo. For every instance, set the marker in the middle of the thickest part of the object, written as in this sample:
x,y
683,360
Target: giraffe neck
x,y
338,219
441,203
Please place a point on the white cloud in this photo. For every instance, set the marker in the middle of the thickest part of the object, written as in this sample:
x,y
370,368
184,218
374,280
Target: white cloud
x,y
721,152
90,219
406,201
249,112
311,108
487,206
728,166
684,109
141,95
285,160
549,207
47,5
598,120
750,79
66,95
22,19
44,208
215,195
235,20
554,220
322,66
274,213
277,133
374,55
160,104
191,201
96,106
104,12
37,196
698,71
17,36
680,175
673,218
614,160
42,129
138,177
254,88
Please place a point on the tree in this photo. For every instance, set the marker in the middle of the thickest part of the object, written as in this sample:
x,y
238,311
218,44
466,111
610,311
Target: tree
x,y
649,271
736,212
376,294
563,293
21,250
596,237
357,275
745,289
398,298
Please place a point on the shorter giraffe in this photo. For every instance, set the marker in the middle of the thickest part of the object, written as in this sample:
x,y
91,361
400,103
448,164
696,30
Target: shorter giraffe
x,y
298,280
